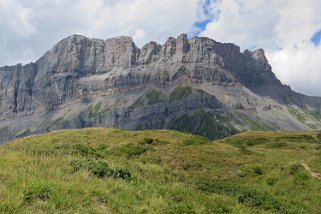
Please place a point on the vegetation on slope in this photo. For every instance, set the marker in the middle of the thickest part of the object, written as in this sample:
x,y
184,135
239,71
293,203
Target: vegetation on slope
x,y
212,124
153,96
94,109
311,120
117,171
180,92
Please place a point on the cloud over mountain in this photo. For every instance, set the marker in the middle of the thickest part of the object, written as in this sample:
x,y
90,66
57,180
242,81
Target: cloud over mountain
x,y
286,29
283,28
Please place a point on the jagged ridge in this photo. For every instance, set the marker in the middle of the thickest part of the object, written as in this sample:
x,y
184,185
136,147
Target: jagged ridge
x,y
84,82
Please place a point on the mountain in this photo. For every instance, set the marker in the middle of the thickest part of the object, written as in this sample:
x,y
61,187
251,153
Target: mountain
x,y
196,85
99,170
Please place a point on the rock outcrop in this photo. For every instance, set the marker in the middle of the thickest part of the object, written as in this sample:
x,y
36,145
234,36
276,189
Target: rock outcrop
x,y
197,85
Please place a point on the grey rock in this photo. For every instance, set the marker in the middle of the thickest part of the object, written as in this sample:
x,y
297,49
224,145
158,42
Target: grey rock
x,y
84,82
149,53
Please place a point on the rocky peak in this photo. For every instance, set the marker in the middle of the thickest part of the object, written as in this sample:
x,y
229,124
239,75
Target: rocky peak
x,y
182,44
149,52
256,60
82,56
258,54
169,48
121,52
75,39
203,46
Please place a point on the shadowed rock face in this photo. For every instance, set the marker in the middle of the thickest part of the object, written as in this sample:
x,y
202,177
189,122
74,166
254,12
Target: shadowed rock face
x,y
85,82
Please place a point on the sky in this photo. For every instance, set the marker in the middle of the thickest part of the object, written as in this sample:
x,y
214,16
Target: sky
x,y
288,30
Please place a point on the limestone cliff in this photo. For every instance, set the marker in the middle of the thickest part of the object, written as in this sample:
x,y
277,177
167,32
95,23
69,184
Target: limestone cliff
x,y
198,85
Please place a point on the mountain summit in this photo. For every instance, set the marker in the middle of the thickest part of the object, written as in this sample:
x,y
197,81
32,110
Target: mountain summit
x,y
196,85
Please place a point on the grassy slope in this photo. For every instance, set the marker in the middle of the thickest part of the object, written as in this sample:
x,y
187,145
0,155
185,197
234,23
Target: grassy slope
x,y
253,172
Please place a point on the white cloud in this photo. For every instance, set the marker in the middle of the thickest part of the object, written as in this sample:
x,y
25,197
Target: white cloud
x,y
34,26
244,22
283,28
158,19
16,18
17,23
299,66
297,22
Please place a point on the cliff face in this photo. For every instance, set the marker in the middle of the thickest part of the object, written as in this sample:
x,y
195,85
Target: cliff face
x,y
197,85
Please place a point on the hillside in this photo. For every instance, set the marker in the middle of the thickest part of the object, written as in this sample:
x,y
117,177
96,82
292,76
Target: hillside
x,y
83,82
101,170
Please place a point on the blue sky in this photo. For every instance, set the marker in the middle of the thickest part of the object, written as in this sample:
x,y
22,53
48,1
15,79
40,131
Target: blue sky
x,y
315,39
288,30
206,12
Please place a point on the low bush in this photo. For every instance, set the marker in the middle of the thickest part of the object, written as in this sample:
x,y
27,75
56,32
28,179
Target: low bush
x,y
271,181
37,190
122,173
256,141
132,150
244,143
276,145
298,138
246,195
257,170
195,140
246,151
100,169
148,141
301,178
296,168
96,168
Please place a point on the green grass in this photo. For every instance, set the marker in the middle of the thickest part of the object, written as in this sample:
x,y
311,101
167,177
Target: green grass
x,y
99,169
241,143
276,145
195,140
243,194
102,170
180,92
94,109
214,125
4,129
153,96
300,116
316,162
310,119
254,124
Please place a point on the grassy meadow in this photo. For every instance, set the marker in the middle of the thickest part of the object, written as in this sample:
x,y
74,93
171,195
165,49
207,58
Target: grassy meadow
x,y
100,170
